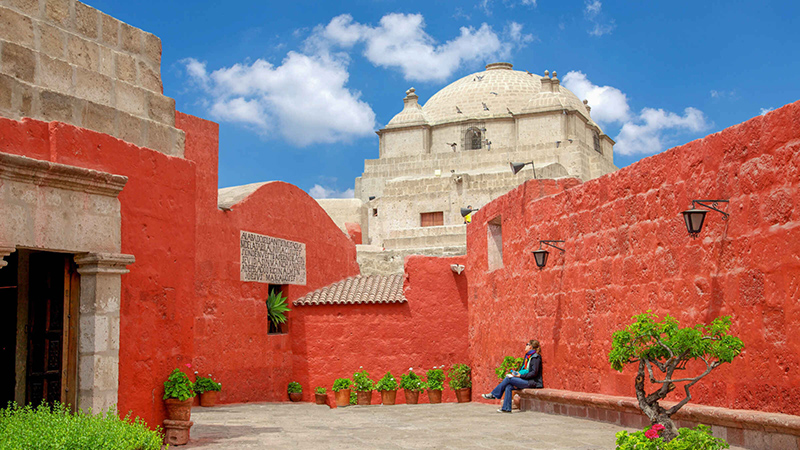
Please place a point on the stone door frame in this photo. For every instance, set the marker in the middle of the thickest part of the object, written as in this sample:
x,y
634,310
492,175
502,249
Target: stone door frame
x,y
67,209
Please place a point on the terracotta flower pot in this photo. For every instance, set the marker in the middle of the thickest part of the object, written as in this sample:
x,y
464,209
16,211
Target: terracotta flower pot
x,y
364,398
343,398
208,398
464,395
388,397
412,397
434,396
320,399
179,410
295,396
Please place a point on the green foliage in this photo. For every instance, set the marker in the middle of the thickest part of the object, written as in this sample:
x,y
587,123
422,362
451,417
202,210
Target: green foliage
x,y
277,308
509,363
362,382
203,384
178,386
647,339
353,398
411,381
56,428
387,383
341,384
699,438
435,379
294,388
320,390
459,376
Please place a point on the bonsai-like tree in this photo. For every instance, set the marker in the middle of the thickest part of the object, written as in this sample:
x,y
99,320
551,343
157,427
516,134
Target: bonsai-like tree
x,y
667,347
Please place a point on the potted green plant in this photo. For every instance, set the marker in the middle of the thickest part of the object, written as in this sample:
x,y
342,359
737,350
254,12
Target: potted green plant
x,y
295,391
178,393
435,384
320,395
412,385
461,382
276,310
388,387
342,389
207,389
509,363
363,385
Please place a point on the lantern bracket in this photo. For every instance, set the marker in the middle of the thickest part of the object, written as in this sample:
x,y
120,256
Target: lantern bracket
x,y
550,244
713,206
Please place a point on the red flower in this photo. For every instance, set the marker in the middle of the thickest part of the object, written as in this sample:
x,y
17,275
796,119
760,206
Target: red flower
x,y
658,427
651,434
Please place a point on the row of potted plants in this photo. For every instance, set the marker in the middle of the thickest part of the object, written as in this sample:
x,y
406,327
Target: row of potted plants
x,y
410,382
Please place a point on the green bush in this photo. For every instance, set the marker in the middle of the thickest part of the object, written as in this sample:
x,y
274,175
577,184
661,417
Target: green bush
x,y
411,381
362,382
178,386
387,383
435,379
320,390
353,398
688,439
294,388
459,376
277,308
509,363
340,384
203,384
56,428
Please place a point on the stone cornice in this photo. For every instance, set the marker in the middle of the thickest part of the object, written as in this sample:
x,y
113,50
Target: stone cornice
x,y
108,263
45,173
5,250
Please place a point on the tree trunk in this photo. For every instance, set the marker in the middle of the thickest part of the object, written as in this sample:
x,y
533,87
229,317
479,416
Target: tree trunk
x,y
670,431
652,409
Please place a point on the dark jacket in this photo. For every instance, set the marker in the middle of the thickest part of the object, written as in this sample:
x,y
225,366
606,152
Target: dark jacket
x,y
534,375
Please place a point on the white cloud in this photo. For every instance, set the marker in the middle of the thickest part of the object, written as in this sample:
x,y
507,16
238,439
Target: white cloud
x,y
647,132
608,103
594,14
305,99
764,111
320,192
514,32
399,41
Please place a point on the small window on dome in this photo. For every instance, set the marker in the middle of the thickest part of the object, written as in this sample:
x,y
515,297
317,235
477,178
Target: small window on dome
x,y
473,139
597,147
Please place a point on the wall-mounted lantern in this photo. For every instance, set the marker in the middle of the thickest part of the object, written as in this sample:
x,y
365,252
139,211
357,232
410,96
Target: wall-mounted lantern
x,y
540,256
694,217
516,167
467,210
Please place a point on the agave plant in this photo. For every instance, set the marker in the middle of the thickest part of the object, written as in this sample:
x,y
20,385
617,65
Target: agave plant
x,y
276,308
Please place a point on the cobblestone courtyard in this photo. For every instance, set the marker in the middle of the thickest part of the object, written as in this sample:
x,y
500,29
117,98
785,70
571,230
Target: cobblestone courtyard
x,y
448,425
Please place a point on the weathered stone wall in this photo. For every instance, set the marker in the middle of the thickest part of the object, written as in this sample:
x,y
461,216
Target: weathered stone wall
x,y
346,210
61,60
627,251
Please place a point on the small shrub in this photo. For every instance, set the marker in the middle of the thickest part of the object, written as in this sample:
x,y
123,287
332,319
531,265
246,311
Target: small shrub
x,y
178,386
46,427
353,398
320,390
294,388
435,379
387,383
509,363
362,382
411,381
203,384
687,439
459,376
341,384
276,308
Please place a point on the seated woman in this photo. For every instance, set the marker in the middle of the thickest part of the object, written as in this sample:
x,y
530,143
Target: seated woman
x,y
529,376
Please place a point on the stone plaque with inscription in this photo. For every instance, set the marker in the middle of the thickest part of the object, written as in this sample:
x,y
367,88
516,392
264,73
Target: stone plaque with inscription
x,y
266,259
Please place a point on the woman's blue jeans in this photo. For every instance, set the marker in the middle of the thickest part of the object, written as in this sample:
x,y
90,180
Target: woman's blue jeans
x,y
503,390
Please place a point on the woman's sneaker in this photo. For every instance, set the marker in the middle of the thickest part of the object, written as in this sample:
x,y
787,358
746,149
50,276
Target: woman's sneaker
x,y
489,396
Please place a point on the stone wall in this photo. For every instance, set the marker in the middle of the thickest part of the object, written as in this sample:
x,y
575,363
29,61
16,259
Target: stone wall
x,y
627,251
61,60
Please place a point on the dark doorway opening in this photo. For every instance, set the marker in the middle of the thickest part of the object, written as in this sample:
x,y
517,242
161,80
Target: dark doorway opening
x,y
281,328
8,329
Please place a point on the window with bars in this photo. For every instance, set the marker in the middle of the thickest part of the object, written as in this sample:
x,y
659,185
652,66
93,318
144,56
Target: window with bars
x,y
431,219
597,147
472,139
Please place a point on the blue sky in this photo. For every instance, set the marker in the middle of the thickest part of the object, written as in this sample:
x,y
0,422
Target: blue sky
x,y
299,87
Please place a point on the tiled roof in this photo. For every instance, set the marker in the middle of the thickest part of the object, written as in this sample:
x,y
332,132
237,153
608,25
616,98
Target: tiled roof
x,y
357,290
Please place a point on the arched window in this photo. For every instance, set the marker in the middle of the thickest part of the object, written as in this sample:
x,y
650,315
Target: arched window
x,y
597,147
473,139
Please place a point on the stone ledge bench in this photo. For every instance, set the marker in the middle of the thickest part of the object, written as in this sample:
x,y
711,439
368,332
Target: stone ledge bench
x,y
755,430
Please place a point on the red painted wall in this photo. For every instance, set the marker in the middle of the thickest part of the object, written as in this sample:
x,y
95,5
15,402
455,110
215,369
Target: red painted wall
x,y
627,250
334,341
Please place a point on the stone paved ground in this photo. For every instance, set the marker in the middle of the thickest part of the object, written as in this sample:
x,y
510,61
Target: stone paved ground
x,y
447,425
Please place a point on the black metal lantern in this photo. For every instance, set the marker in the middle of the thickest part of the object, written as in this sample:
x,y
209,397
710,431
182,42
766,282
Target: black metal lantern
x,y
516,167
540,256
695,217
465,211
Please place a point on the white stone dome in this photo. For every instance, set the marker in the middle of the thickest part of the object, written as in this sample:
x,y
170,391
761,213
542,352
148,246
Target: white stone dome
x,y
501,89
